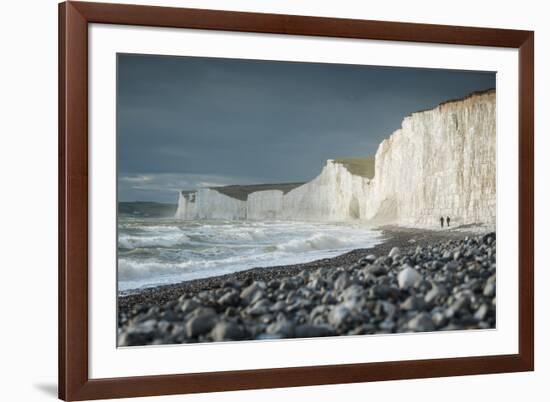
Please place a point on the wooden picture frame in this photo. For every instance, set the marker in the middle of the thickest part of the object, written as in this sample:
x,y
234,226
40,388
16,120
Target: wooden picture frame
x,y
74,381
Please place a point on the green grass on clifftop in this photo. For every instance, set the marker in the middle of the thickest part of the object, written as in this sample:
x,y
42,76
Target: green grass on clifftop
x,y
241,192
358,166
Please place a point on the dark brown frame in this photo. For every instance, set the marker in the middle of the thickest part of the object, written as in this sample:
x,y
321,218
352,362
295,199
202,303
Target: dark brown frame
x,y
74,383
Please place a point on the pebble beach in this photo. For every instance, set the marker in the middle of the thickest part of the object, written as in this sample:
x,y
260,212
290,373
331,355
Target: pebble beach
x,y
415,281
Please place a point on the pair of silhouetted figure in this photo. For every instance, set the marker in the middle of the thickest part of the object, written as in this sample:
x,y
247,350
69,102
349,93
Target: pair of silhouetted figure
x,y
442,220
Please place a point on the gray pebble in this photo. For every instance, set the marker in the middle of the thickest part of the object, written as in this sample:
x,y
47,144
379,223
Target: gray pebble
x,y
408,277
421,323
227,331
200,324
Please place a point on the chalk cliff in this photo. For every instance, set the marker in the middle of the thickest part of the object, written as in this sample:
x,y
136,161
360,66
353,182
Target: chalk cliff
x,y
208,203
441,162
334,195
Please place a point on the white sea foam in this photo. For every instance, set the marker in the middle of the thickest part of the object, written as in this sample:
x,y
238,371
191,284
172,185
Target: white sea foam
x,y
169,240
153,251
318,241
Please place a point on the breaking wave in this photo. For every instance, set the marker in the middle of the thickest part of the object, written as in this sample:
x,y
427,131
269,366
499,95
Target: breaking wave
x,y
161,251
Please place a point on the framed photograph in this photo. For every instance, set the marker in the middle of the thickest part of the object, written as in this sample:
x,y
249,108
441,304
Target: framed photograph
x,y
258,200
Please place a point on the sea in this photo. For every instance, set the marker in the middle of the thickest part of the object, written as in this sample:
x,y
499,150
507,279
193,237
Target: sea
x,y
155,251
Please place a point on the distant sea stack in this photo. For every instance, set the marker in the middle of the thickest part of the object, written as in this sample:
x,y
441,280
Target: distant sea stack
x,y
441,162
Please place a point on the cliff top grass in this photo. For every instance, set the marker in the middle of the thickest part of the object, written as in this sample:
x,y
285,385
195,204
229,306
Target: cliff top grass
x,y
358,166
146,209
241,192
470,95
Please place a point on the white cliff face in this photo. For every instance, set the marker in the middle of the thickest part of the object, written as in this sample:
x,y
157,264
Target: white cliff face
x,y
209,204
265,205
441,162
186,207
334,195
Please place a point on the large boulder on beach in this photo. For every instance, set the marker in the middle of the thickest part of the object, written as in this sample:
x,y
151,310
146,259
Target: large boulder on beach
x,y
408,277
436,294
227,331
284,328
309,331
421,323
201,323
253,292
339,315
395,252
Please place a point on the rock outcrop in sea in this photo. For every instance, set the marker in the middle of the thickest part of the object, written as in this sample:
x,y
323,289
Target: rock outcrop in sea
x,y
441,162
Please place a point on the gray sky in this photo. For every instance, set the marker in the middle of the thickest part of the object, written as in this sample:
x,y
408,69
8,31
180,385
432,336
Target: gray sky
x,y
188,122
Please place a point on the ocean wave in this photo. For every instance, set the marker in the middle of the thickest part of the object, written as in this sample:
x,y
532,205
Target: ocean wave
x,y
131,269
128,241
319,241
156,253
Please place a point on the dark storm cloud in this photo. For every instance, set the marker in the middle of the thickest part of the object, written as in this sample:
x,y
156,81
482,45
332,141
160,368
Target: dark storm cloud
x,y
186,122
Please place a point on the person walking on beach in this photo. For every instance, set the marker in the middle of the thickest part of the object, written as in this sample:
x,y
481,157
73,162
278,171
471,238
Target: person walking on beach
x,y
442,221
448,221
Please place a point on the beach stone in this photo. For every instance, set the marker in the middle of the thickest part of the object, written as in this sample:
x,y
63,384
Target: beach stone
x,y
436,265
436,294
363,329
260,307
225,331
447,255
200,324
388,325
460,303
490,288
283,328
338,315
328,298
143,328
369,259
278,306
268,337
489,238
230,298
252,288
309,331
231,311
253,292
481,312
395,252
413,303
316,284
451,266
385,308
379,292
188,306
376,270
342,282
421,323
408,277
140,309
287,284
353,293
231,284
439,318
319,310
169,316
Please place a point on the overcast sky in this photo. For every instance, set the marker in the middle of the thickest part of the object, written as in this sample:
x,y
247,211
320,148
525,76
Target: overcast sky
x,y
188,122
